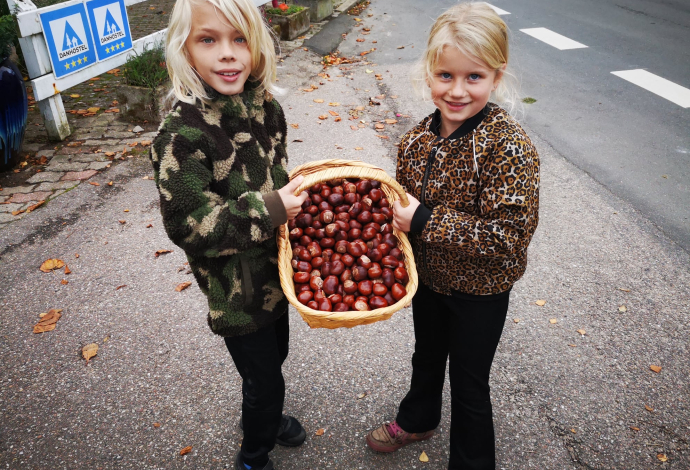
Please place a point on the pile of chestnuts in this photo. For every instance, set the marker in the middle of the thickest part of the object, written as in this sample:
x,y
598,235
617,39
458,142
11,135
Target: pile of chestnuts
x,y
345,256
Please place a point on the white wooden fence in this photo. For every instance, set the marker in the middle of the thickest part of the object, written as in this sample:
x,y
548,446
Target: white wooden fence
x,y
46,87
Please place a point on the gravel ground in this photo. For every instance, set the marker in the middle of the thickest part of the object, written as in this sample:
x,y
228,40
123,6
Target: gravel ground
x,y
162,381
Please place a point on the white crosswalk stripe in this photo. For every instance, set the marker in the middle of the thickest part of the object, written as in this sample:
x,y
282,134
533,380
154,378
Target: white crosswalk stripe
x,y
498,11
553,39
657,85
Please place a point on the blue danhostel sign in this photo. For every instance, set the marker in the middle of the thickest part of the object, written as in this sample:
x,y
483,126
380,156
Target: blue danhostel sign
x,y
109,26
68,37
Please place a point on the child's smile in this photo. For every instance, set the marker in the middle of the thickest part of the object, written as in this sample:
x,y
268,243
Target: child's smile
x,y
460,88
217,51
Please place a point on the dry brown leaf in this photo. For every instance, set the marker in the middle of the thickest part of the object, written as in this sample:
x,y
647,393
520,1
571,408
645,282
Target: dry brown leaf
x,y
162,252
320,432
17,212
656,369
382,136
573,345
333,113
622,309
648,408
379,126
183,286
92,110
89,351
122,221
553,321
354,128
120,287
93,183
318,101
423,457
541,303
145,143
624,289
581,331
51,264
361,395
516,320
74,95
149,226
334,104
76,255
35,206
64,282
126,210
634,428
67,270
48,320
662,457
295,126
186,450
391,121
360,40
573,430
110,183
323,117
109,154
338,119
359,148
156,425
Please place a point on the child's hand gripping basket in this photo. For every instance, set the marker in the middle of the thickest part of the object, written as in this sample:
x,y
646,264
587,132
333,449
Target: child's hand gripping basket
x,y
327,170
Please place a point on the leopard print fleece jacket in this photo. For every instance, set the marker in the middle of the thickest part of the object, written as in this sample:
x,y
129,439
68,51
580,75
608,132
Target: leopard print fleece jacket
x,y
218,169
479,195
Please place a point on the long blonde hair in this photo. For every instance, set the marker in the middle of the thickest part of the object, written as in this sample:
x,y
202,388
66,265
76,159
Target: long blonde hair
x,y
187,86
477,31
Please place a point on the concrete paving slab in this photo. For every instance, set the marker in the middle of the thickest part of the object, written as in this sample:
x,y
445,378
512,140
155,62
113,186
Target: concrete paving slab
x,y
17,189
45,176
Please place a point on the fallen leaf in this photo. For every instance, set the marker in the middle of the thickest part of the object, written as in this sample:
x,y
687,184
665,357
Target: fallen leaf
x,y
109,154
622,309
298,140
648,408
573,345
401,47
338,119
126,210
183,286
320,432
74,96
156,425
145,143
361,395
318,101
333,113
162,252
334,104
359,108
634,428
295,126
51,264
120,287
122,221
360,40
89,351
323,117
573,430
67,270
92,110
354,128
358,19
541,303
149,226
423,457
17,212
516,320
48,320
656,369
359,148
391,121
186,450
76,255
31,208
662,457
553,321
582,332
369,71
110,183
382,136
93,183
379,126
624,289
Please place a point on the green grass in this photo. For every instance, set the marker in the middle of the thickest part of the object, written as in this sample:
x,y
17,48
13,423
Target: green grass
x,y
289,11
529,100
146,69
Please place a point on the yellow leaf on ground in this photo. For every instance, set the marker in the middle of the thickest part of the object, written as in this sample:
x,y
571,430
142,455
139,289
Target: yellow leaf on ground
x,y
622,309
320,432
337,119
120,287
360,40
553,321
67,270
186,450
110,183
92,110
162,252
183,286
109,154
333,113
624,289
516,320
89,351
662,457
361,395
318,101
359,148
323,117
423,457
541,303
74,95
648,408
656,369
391,121
634,428
50,264
295,126
93,183
379,126
354,128
48,320
334,104
582,332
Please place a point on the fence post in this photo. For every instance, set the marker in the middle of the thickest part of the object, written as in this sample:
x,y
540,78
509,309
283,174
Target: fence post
x,y
38,64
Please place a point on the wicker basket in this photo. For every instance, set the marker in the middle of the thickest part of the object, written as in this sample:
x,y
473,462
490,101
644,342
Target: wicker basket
x,y
326,170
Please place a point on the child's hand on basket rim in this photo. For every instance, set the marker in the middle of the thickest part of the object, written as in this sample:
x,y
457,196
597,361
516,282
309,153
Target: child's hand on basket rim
x,y
291,202
402,216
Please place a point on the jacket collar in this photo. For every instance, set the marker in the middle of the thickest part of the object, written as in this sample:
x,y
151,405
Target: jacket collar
x,y
466,127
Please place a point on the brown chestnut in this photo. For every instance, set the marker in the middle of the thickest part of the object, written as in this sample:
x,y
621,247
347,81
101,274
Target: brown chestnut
x,y
374,271
354,233
395,252
364,261
364,217
384,202
355,209
368,233
354,224
401,275
305,297
304,240
390,262
349,300
303,266
355,249
325,305
335,298
337,267
390,239
335,199
326,217
349,188
375,255
314,249
359,273
326,269
327,242
365,287
296,233
341,307
398,291
301,277
348,259
384,248
344,216
377,302
380,289
292,223
388,277
389,298
312,211
375,194
378,217
319,295
341,246
316,199
316,188
316,262
331,230
346,275
363,187
361,305
337,189
388,212
350,198
316,283
341,235
330,284
349,287
303,220
325,191
313,305
325,206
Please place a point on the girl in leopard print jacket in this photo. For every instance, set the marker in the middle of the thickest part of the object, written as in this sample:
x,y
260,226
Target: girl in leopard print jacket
x,y
472,177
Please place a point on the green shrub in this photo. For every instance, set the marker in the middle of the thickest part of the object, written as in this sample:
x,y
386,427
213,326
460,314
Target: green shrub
x,y
8,35
289,11
146,69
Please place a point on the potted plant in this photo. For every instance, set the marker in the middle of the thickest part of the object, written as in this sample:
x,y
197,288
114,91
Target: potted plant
x,y
146,86
14,105
318,9
293,20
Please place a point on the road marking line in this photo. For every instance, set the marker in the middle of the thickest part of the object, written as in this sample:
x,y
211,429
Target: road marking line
x,y
498,10
553,39
657,85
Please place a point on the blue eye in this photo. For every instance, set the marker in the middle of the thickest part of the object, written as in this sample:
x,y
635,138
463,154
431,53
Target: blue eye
x,y
241,40
207,40
474,76
446,76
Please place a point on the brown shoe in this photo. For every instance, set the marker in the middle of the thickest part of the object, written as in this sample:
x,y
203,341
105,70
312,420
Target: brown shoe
x,y
390,437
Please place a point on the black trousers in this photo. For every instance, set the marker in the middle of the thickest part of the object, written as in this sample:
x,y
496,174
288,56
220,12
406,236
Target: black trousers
x,y
467,328
259,357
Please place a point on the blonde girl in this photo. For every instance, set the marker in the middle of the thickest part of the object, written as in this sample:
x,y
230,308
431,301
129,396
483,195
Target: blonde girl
x,y
220,163
472,177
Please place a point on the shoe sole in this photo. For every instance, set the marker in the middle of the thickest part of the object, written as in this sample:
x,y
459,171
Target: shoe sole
x,y
295,441
388,449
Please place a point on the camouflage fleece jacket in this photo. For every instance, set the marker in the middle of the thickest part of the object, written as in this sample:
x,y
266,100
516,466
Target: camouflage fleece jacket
x,y
218,169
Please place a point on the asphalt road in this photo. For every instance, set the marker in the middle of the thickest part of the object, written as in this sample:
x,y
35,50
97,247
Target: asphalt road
x,y
162,381
634,142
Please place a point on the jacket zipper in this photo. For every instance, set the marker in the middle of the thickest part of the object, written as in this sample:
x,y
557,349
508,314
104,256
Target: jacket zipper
x,y
422,199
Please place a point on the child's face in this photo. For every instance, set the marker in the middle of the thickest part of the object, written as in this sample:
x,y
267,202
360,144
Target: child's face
x,y
217,51
460,87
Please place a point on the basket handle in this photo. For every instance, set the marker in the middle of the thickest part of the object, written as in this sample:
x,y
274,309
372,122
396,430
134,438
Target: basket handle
x,y
326,170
